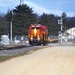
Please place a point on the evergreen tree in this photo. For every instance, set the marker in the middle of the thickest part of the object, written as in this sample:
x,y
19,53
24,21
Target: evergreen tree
x,y
23,16
50,21
71,22
43,19
3,25
64,20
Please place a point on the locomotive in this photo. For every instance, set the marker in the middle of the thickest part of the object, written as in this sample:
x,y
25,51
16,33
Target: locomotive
x,y
37,34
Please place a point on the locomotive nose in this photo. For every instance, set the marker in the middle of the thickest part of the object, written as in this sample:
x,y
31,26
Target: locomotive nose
x,y
35,31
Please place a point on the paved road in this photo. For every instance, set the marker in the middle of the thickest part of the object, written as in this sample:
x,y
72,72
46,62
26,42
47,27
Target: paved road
x,y
58,60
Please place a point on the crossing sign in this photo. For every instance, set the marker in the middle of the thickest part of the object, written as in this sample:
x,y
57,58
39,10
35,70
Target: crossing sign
x,y
59,21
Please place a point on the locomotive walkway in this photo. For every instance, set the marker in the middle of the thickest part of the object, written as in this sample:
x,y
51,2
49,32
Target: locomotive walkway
x,y
57,60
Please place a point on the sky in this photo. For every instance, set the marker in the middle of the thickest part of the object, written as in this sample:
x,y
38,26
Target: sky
x,y
56,7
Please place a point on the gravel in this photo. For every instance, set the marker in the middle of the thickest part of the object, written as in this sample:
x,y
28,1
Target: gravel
x,y
12,52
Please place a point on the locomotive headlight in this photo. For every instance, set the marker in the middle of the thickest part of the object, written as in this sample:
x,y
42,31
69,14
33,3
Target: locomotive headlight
x,y
31,38
38,38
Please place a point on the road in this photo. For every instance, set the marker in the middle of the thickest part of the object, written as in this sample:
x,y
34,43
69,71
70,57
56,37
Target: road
x,y
58,60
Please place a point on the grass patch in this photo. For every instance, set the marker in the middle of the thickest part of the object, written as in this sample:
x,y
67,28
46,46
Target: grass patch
x,y
4,58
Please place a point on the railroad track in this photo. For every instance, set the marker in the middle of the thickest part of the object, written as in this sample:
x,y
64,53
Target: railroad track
x,y
13,47
8,47
18,50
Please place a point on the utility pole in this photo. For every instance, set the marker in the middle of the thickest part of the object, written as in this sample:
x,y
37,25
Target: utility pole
x,y
61,24
11,31
11,26
21,2
61,29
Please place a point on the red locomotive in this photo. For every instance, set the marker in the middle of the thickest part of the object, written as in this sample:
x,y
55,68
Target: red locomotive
x,y
37,34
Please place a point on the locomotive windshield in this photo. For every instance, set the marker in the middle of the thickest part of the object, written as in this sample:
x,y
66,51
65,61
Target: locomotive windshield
x,y
35,27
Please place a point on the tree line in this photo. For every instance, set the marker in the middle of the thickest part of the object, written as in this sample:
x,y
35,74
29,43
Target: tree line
x,y
22,16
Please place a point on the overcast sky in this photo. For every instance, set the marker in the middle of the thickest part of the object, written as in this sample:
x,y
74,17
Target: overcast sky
x,y
56,7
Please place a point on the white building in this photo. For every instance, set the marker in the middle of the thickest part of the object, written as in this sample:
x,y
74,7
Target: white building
x,y
71,31
67,35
